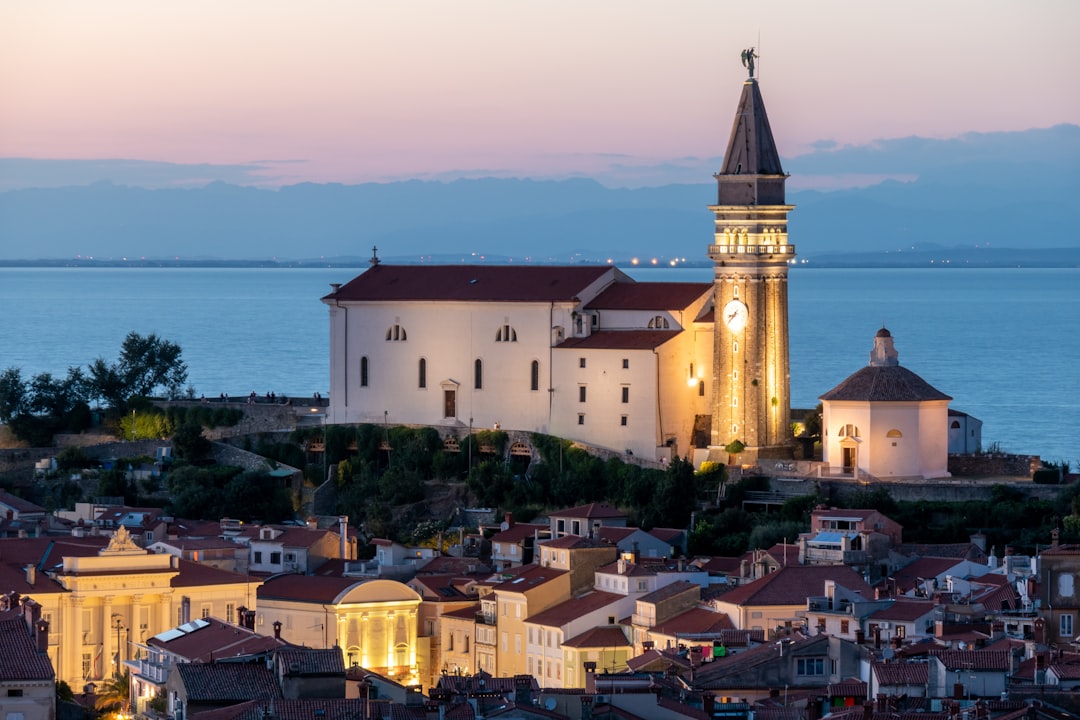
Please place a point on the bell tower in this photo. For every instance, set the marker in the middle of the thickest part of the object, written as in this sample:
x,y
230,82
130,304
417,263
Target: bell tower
x,y
751,254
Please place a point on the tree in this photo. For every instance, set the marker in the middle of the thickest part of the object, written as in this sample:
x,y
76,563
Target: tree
x,y
14,395
146,365
114,693
190,444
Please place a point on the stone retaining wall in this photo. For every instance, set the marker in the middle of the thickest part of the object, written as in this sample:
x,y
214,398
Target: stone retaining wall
x,y
995,465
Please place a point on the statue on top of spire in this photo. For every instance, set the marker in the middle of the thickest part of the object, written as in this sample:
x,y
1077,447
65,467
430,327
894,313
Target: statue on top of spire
x,y
748,57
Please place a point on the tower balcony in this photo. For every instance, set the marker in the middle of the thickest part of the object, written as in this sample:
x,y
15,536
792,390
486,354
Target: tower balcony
x,y
751,250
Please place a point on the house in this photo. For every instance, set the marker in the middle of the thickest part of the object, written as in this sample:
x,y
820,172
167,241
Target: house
x,y
514,545
215,552
548,634
27,679
518,598
579,556
101,594
374,621
198,687
286,548
969,673
457,652
903,679
965,433
200,640
776,600
585,520
1059,591
440,594
656,543
884,421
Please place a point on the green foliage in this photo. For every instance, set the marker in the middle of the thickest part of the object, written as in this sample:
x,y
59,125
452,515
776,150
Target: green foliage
x,y
38,409
1047,476
204,415
225,491
734,447
72,458
14,395
189,443
64,692
146,365
768,534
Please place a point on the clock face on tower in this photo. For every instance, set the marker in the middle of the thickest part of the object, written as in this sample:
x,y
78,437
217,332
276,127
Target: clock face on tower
x,y
735,315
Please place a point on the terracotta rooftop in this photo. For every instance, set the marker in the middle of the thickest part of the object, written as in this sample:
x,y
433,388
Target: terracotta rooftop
x,y
695,620
227,682
471,283
669,591
19,505
903,610
607,636
650,296
884,383
974,660
911,575
620,340
791,585
532,577
519,532
20,660
303,709
573,608
571,542
311,661
900,673
193,573
849,687
592,511
216,640
615,535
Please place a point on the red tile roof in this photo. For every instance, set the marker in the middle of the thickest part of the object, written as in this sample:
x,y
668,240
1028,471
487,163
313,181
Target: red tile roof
x,y
884,383
615,535
903,610
670,590
592,511
574,608
193,573
20,660
608,636
900,673
650,296
227,682
306,588
519,532
295,661
572,542
925,568
791,585
695,620
216,641
475,283
620,340
19,505
974,660
532,577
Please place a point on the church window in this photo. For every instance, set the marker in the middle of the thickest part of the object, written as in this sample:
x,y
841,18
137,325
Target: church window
x,y
534,375
894,433
734,401
659,323
395,333
506,333
581,393
955,425
734,346
735,292
849,430
478,374
734,374
623,420
421,380
701,388
734,429
363,371
625,393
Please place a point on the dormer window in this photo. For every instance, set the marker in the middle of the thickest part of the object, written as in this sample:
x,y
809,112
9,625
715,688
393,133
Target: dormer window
x,y
266,534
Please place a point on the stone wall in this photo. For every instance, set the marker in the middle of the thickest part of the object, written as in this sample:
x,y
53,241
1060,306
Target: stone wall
x,y
959,490
994,465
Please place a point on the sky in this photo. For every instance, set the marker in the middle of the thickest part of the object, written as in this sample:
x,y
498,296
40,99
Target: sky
x,y
274,92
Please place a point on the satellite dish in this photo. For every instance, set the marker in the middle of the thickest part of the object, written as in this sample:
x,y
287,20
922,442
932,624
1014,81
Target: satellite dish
x,y
549,704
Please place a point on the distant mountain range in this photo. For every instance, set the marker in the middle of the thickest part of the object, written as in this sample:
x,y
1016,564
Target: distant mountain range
x,y
970,202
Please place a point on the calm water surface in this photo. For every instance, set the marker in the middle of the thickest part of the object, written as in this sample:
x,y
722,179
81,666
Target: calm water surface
x,y
1004,343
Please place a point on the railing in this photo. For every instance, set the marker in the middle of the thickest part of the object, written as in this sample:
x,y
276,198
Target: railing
x,y
752,249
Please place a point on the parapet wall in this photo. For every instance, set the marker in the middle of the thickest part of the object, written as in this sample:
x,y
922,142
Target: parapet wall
x,y
994,465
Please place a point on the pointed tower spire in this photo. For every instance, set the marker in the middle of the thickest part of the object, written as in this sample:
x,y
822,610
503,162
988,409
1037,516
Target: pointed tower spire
x,y
751,252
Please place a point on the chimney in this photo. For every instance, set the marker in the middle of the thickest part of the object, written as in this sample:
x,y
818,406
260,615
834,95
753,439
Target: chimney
x,y
241,616
41,635
1054,538
185,610
590,678
31,575
343,531
277,629
508,520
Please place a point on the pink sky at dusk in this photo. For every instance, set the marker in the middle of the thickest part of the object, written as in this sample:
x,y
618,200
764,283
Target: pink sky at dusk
x,y
354,91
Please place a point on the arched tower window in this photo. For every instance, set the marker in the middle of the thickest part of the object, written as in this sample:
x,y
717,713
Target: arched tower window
x,y
955,425
421,379
506,333
534,375
363,371
894,433
478,374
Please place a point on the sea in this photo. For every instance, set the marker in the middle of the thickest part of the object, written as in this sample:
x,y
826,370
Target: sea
x,y
1004,343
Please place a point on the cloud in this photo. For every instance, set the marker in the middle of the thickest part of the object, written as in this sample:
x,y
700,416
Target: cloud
x,y
16,173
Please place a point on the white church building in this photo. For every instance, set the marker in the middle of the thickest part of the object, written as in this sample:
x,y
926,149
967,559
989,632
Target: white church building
x,y
884,421
581,352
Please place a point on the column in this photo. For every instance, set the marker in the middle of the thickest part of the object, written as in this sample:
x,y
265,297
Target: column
x,y
107,651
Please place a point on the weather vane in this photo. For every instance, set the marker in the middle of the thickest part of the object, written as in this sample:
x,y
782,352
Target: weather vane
x,y
748,57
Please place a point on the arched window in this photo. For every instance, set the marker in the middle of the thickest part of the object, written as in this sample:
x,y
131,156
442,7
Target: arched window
x,y
506,333
422,373
478,374
395,333
363,371
701,388
849,430
894,433
955,425
534,375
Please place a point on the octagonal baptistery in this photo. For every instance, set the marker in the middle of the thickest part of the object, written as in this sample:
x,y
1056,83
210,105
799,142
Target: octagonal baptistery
x,y
884,421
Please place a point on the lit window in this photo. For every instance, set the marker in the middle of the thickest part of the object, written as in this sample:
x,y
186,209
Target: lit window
x,y
894,433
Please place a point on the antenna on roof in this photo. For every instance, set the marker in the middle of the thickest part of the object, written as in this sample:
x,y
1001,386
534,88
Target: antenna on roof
x,y
374,256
